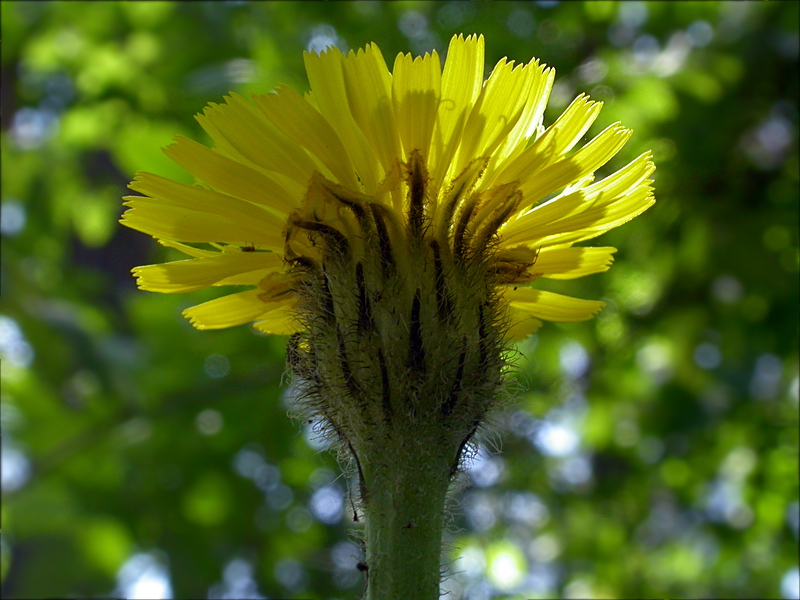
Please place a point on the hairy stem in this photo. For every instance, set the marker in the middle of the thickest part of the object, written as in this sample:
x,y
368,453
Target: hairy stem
x,y
406,485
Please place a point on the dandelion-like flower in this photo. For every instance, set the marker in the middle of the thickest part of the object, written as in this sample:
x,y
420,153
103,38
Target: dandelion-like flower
x,y
394,223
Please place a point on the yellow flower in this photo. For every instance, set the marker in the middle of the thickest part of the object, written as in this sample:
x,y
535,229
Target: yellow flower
x,y
394,223
422,161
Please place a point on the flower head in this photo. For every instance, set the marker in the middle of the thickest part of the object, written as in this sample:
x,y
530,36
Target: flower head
x,y
423,192
393,222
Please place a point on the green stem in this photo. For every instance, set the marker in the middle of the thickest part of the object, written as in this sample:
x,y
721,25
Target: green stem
x,y
404,505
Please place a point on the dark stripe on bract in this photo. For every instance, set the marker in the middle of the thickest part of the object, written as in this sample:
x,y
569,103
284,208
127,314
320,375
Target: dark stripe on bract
x,y
450,207
417,354
444,303
482,330
335,239
490,229
459,234
327,297
361,484
364,313
386,392
347,372
385,245
450,403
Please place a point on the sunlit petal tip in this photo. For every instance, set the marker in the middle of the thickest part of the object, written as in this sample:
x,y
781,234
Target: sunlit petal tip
x,y
571,262
620,129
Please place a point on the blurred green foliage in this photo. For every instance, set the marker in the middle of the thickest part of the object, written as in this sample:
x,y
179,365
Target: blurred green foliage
x,y
651,452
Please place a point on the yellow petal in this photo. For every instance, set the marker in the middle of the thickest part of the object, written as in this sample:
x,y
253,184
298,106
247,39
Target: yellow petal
x,y
496,112
632,175
369,93
232,310
552,307
196,274
298,120
570,263
595,208
529,121
326,76
248,137
586,160
521,325
416,91
167,221
231,177
533,225
280,321
598,220
556,140
188,250
461,83
177,211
